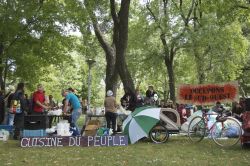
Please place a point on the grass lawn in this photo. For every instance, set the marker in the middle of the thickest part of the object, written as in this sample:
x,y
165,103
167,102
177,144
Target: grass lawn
x,y
177,151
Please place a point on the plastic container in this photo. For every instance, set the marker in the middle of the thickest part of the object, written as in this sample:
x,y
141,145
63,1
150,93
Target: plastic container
x,y
34,133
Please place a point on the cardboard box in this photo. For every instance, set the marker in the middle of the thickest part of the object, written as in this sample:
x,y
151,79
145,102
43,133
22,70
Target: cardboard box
x,y
91,127
90,132
94,122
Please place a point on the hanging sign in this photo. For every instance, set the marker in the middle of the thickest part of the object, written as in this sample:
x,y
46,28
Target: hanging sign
x,y
205,94
86,141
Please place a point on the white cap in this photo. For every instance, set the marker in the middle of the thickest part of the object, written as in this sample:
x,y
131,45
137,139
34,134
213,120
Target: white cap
x,y
155,97
109,93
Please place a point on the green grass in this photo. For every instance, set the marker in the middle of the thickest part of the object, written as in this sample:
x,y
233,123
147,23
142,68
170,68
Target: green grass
x,y
177,151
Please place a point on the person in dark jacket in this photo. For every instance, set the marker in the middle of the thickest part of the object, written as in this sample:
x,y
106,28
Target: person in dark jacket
x,y
2,111
27,104
139,98
150,95
150,92
128,101
19,117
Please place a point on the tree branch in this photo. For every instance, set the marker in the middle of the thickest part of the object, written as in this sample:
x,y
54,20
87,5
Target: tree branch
x,y
104,44
123,24
165,2
243,7
180,9
115,20
185,19
113,12
190,11
154,17
100,37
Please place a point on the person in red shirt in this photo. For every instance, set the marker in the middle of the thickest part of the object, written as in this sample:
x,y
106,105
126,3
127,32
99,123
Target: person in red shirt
x,y
38,100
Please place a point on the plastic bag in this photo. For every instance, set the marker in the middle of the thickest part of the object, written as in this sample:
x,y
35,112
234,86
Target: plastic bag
x,y
232,132
104,131
4,135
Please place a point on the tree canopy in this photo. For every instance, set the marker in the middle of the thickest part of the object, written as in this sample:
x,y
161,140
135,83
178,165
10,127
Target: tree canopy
x,y
135,44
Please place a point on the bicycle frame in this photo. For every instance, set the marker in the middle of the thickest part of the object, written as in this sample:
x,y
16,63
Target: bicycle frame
x,y
205,117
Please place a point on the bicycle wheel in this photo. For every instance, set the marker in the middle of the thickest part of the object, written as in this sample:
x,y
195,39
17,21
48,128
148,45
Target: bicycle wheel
x,y
159,134
226,133
197,129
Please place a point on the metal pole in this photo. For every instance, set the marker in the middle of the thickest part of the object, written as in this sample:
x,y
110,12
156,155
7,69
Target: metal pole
x,y
89,88
90,64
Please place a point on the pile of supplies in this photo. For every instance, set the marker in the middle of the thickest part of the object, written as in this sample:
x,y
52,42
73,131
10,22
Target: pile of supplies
x,y
4,135
57,112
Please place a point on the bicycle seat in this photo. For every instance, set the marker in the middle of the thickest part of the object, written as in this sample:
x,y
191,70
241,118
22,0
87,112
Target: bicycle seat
x,y
221,119
205,110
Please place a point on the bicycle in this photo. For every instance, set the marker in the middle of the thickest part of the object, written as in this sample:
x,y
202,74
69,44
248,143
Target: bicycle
x,y
225,131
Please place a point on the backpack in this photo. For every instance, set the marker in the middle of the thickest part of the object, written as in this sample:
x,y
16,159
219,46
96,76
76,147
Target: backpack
x,y
246,121
15,104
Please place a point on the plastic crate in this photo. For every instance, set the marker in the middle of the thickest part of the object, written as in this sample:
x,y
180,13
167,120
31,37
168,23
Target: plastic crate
x,y
34,133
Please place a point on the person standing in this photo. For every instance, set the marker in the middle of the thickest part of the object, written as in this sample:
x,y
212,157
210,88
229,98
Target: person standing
x,y
110,110
18,99
218,108
27,104
150,94
52,103
31,103
139,98
39,101
128,101
10,116
182,112
75,104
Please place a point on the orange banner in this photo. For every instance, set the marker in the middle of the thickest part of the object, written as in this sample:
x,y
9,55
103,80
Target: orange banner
x,y
205,94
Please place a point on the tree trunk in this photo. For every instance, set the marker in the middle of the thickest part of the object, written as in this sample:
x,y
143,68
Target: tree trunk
x,y
125,76
198,59
121,46
111,74
115,53
2,85
170,71
200,72
111,79
6,69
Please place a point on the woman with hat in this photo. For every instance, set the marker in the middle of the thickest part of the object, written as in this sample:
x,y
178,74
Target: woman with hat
x,y
110,110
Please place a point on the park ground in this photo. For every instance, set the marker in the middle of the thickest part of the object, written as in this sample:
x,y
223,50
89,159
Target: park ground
x,y
178,150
